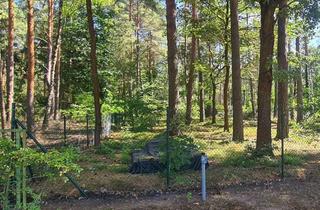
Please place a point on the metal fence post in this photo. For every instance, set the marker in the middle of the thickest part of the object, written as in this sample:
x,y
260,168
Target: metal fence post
x,y
204,160
87,128
167,147
13,120
282,159
64,128
18,173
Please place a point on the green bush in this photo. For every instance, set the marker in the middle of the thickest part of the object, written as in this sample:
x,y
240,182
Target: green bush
x,y
144,110
181,150
11,156
84,104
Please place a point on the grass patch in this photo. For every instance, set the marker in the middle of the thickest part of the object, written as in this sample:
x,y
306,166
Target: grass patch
x,y
246,160
294,159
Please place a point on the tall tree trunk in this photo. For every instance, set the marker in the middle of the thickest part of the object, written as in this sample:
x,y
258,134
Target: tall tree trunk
x,y
226,94
50,73
264,138
185,52
57,83
191,75
291,89
172,66
213,88
57,64
227,73
130,10
137,25
283,110
306,53
201,89
2,103
49,42
236,74
150,60
299,86
10,80
94,74
31,67
214,107
252,98
306,70
275,105
291,86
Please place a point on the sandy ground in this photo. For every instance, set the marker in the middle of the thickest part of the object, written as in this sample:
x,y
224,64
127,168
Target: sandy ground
x,y
289,194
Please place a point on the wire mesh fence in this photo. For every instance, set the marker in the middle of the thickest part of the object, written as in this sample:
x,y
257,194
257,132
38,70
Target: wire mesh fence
x,y
230,162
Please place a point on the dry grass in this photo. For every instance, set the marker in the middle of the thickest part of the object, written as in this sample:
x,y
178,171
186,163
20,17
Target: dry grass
x,y
229,162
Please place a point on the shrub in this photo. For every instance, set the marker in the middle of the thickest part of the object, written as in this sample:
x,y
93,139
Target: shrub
x,y
11,156
181,150
144,110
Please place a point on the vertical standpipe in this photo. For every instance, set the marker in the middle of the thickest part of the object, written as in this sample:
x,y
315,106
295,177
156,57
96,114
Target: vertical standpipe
x,y
204,161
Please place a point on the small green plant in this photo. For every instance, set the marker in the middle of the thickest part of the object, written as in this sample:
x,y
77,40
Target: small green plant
x,y
189,196
110,148
125,156
293,159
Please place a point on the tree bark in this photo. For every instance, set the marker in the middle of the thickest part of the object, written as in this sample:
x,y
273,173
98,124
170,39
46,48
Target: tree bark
x,y
227,73
94,74
57,65
191,75
49,42
10,74
137,25
306,53
213,88
236,74
291,89
283,110
201,89
275,104
252,98
264,138
185,52
50,73
57,86
150,72
306,70
214,107
31,67
172,66
2,103
130,10
299,86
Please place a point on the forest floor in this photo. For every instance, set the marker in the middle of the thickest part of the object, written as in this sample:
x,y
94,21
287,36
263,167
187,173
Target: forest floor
x,y
235,180
289,194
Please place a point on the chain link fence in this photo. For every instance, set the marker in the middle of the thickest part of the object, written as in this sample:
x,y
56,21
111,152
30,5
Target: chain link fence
x,y
166,163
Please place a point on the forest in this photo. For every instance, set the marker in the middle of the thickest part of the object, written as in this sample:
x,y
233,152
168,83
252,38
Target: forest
x,y
116,100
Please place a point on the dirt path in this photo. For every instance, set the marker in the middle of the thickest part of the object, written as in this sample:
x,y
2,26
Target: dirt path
x,y
290,194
